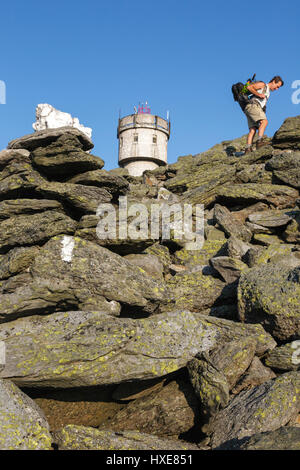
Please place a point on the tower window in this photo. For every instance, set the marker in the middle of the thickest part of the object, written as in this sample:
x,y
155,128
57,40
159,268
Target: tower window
x,y
135,138
155,139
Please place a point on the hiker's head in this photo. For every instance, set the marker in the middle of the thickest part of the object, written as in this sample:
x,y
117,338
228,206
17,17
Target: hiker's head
x,y
276,83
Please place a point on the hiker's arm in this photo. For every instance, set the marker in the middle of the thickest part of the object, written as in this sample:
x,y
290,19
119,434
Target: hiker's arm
x,y
256,86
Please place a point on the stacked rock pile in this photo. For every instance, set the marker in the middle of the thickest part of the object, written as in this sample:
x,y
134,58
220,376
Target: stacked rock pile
x,y
199,348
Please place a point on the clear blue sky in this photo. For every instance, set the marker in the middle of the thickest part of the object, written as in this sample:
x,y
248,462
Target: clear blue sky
x,y
94,57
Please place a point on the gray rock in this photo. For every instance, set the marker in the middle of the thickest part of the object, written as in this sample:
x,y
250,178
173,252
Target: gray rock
x,y
33,229
16,261
236,248
285,438
256,374
14,207
46,137
233,358
286,167
115,185
149,264
75,349
210,385
23,425
284,358
230,225
64,158
171,411
83,199
85,438
271,218
287,135
229,268
249,193
266,407
269,294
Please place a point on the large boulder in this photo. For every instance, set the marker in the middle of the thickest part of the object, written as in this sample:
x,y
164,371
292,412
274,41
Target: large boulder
x,y
70,273
64,158
47,136
286,167
266,407
75,349
269,294
288,135
23,425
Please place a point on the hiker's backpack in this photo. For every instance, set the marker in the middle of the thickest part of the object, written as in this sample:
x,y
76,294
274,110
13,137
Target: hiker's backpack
x,y
240,92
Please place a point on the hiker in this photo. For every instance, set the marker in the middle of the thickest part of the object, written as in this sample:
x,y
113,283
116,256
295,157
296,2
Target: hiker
x,y
255,110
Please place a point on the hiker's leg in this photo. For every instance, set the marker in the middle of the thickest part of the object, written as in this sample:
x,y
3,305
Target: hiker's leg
x,y
251,135
262,127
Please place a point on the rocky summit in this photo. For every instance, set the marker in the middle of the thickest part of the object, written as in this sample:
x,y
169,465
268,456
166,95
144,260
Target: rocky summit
x,y
142,338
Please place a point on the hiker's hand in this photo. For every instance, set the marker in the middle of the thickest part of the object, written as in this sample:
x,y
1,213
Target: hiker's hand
x,y
262,96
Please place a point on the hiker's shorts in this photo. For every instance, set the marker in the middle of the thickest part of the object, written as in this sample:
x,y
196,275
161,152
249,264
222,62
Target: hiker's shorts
x,y
255,114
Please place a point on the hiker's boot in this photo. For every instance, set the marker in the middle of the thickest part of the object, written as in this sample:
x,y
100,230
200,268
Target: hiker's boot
x,y
261,143
248,150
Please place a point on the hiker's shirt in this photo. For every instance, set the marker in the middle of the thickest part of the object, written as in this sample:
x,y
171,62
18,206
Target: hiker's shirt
x,y
262,102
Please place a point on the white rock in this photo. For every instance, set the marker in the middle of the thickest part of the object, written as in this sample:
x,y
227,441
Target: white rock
x,y
48,117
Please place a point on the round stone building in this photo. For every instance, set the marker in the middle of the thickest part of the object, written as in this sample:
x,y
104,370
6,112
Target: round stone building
x,y
143,141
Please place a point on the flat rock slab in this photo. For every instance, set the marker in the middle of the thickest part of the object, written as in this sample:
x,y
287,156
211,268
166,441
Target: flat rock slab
x,y
43,138
75,349
266,407
63,162
23,425
249,193
13,207
84,438
269,294
83,199
33,229
102,179
271,218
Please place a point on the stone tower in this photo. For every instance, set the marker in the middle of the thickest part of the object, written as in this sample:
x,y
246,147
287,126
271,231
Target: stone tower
x,y
143,141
